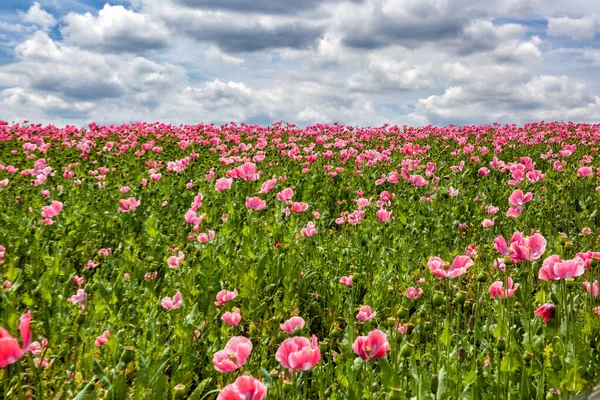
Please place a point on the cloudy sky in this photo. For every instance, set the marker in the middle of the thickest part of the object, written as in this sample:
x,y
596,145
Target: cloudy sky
x,y
364,62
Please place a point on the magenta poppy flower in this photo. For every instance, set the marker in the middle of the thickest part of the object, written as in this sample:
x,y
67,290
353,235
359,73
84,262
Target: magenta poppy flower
x,y
244,388
521,248
546,311
10,351
291,324
234,355
298,353
587,257
553,268
418,180
374,345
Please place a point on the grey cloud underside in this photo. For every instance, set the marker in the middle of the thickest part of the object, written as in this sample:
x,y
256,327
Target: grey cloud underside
x,y
242,39
260,6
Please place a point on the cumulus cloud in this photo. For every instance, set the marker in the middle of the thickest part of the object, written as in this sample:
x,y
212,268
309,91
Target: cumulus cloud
x,y
37,16
364,62
575,28
114,29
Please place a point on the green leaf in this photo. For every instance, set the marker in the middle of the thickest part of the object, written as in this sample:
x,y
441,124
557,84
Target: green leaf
x,y
83,395
386,372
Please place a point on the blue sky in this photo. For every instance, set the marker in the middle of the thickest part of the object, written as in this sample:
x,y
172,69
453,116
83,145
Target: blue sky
x,y
366,62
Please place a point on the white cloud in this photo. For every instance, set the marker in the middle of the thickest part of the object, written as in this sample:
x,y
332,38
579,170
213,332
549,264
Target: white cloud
x,y
115,29
37,16
575,28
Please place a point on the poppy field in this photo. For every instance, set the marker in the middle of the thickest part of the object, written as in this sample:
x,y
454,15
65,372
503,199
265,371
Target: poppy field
x,y
156,261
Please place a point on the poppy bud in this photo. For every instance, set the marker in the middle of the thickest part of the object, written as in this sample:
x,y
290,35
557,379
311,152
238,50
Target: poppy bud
x,y
390,322
434,383
553,394
594,262
297,331
570,283
180,391
527,356
407,350
508,260
274,373
323,346
501,345
461,297
438,299
471,322
481,277
569,245
403,313
462,353
81,318
335,333
128,354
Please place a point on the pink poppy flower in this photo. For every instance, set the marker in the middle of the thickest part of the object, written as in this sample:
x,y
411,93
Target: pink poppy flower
x,y
586,256
291,324
597,310
374,345
592,289
299,207
582,172
78,280
346,280
487,223
517,199
78,298
232,318
285,195
175,261
102,339
383,215
401,328
255,203
10,351
267,186
553,268
222,184
546,311
452,192
128,205
365,314
298,353
172,304
459,266
418,180
224,296
234,355
496,289
244,388
3,183
413,293
309,230
521,248
37,348
52,210
492,210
